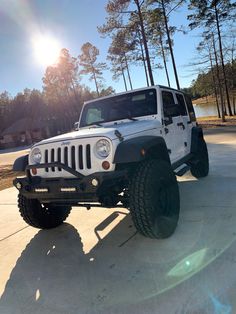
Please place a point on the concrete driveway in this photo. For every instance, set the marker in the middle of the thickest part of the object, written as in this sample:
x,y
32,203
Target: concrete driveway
x,y
97,263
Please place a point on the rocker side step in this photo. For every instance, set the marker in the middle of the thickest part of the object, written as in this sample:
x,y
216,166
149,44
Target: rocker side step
x,y
181,170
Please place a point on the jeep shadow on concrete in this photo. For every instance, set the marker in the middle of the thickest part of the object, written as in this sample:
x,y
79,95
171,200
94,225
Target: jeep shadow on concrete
x,y
125,152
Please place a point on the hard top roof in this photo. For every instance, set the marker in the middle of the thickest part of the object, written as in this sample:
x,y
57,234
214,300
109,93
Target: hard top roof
x,y
133,91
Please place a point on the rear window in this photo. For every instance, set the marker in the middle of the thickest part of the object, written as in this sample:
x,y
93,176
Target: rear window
x,y
181,103
190,108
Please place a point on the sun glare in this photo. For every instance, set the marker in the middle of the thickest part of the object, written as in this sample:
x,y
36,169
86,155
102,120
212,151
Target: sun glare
x,y
46,50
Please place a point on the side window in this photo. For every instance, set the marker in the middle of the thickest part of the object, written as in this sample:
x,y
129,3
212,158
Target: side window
x,y
181,103
169,107
190,108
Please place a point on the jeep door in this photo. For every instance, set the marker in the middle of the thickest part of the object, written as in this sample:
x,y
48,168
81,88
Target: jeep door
x,y
186,122
172,126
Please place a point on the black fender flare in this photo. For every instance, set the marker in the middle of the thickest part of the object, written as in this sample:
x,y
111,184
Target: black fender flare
x,y
139,148
20,163
196,137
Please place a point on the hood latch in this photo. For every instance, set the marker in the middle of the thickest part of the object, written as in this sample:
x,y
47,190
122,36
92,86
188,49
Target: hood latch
x,y
119,135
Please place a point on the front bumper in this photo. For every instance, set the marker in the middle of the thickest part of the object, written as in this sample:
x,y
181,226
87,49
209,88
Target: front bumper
x,y
68,190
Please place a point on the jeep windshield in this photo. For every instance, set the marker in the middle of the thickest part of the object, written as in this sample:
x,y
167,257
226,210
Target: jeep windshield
x,y
126,106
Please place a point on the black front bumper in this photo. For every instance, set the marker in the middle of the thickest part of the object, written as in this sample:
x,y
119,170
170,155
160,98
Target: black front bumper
x,y
48,190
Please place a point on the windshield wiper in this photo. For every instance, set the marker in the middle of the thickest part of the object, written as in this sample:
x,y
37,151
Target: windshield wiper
x,y
132,119
129,116
95,123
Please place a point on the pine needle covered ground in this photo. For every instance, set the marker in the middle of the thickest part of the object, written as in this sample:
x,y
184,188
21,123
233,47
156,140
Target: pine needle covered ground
x,y
214,122
7,176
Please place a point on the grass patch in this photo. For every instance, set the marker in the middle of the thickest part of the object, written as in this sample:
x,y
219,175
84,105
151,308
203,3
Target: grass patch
x,y
213,122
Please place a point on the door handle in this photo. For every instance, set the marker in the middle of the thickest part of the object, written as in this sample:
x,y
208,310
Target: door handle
x,y
166,130
181,124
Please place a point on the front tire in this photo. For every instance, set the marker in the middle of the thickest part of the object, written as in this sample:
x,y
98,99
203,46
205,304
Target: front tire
x,y
42,216
154,199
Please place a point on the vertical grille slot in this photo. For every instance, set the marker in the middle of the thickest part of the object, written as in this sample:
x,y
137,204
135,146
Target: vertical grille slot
x,y
59,157
46,158
81,165
66,156
53,158
88,156
73,157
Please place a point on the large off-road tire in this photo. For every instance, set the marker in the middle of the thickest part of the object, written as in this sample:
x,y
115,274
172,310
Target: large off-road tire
x,y
200,168
154,199
42,216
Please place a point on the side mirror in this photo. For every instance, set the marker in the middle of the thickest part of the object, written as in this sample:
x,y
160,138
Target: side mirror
x,y
76,126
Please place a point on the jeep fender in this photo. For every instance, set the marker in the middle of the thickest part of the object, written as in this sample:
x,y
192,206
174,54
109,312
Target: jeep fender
x,y
140,148
20,163
197,135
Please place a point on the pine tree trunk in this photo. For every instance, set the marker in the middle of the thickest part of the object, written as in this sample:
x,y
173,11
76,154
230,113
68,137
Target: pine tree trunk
x,y
143,58
170,44
76,98
123,75
74,91
127,68
219,82
164,60
145,42
234,105
222,58
233,81
214,83
95,80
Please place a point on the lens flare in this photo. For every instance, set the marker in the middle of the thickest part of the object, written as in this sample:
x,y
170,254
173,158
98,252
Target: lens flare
x,y
46,50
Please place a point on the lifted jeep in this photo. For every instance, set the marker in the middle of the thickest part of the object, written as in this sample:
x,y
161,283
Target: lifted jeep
x,y
126,151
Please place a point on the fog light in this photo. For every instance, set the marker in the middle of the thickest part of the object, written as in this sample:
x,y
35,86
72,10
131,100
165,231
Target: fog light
x,y
95,182
105,165
41,190
34,171
18,185
69,189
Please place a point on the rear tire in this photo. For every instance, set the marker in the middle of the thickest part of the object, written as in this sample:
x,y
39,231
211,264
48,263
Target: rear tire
x,y
154,199
42,216
201,168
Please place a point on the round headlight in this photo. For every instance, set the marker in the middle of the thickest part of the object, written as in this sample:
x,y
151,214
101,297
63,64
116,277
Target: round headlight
x,y
103,148
36,156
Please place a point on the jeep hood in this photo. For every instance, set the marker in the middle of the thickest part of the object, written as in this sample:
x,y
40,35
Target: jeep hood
x,y
125,128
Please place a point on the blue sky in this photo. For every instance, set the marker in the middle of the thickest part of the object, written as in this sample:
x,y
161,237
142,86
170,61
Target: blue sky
x,y
73,23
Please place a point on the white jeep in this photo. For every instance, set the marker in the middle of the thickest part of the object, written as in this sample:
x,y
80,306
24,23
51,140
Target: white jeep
x,y
126,151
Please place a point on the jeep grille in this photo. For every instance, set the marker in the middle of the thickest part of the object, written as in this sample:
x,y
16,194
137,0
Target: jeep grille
x,y
78,157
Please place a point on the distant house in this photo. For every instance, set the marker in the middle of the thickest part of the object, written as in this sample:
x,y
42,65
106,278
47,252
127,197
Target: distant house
x,y
24,132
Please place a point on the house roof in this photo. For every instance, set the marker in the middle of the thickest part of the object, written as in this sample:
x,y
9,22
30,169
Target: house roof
x,y
22,125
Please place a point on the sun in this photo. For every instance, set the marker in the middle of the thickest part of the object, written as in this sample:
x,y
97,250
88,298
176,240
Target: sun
x,y
46,50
